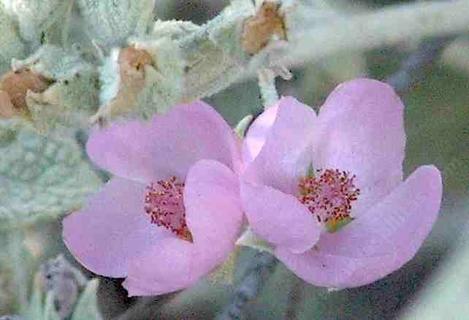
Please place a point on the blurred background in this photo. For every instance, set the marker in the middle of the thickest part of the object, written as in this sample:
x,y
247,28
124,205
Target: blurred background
x,y
435,284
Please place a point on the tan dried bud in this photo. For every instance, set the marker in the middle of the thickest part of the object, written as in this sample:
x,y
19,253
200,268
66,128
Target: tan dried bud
x,y
261,28
132,61
14,86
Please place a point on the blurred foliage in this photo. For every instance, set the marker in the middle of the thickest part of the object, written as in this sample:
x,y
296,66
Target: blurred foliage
x,y
41,177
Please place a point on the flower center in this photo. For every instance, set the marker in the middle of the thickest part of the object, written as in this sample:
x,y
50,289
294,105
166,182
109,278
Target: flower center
x,y
329,195
164,203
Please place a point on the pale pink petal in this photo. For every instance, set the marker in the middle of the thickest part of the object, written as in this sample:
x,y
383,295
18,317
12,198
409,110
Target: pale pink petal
x,y
213,209
173,264
287,151
214,217
379,241
336,271
164,268
124,149
112,229
361,130
168,146
279,218
257,134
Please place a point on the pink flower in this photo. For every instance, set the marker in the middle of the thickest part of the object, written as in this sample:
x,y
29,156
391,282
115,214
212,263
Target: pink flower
x,y
172,212
327,191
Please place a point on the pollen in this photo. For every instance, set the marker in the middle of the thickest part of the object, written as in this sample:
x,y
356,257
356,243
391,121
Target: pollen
x,y
164,204
329,195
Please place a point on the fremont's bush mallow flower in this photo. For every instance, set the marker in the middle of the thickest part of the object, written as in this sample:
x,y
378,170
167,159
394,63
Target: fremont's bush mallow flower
x,y
171,213
327,191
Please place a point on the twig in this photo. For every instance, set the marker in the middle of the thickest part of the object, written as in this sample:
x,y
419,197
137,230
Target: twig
x,y
262,265
267,87
295,297
379,28
445,294
146,307
412,68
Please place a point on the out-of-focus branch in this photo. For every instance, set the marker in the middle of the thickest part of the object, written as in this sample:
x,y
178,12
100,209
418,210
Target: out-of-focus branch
x,y
375,29
456,55
446,295
252,283
413,67
295,299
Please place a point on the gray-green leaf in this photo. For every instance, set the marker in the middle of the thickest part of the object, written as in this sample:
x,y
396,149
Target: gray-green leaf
x,y
40,177
49,310
41,21
111,22
12,46
87,307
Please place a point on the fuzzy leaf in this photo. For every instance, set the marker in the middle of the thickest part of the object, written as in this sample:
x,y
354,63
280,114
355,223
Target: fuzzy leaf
x,y
41,21
49,309
12,46
36,306
87,306
111,22
40,177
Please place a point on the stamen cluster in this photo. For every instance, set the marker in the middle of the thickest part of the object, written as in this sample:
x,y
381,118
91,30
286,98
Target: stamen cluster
x,y
164,203
329,195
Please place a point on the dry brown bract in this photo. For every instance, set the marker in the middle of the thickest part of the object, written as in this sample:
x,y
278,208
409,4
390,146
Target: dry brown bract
x,y
261,28
14,86
132,61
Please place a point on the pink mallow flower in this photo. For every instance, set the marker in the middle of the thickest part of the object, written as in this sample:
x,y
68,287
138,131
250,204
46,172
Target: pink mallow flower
x,y
327,191
172,211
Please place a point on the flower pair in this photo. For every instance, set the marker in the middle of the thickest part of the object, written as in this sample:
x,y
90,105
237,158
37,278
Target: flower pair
x,y
326,192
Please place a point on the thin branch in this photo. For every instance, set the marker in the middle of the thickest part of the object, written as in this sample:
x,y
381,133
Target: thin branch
x,y
388,26
445,294
267,87
261,266
412,68
295,299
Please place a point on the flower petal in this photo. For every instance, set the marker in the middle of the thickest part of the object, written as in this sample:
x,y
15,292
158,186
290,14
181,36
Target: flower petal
x,y
124,149
287,151
361,130
257,134
168,146
112,229
396,228
213,207
279,218
214,217
172,265
336,272
164,268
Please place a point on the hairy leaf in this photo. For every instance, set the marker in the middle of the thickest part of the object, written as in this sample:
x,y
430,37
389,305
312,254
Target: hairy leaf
x,y
111,22
40,177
